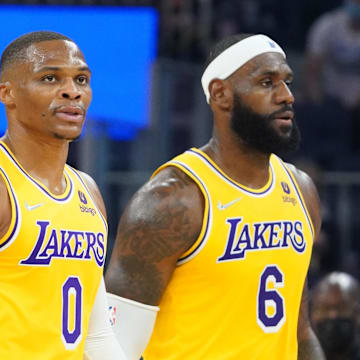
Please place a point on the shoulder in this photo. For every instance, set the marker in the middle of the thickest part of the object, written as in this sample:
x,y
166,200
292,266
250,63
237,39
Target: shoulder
x,y
94,191
309,193
170,207
172,184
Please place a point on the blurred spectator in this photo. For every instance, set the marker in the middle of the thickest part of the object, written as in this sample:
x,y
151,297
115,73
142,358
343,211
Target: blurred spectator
x,y
333,55
335,315
333,69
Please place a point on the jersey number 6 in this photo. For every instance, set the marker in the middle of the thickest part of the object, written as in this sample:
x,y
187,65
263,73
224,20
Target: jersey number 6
x,y
270,305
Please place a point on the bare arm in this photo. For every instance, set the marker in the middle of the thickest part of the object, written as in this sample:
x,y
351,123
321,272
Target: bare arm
x,y
5,209
159,224
308,345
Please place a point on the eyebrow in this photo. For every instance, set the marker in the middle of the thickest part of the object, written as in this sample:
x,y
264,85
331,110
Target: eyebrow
x,y
273,73
57,68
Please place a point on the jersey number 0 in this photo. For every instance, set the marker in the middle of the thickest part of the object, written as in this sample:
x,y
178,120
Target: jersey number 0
x,y
71,312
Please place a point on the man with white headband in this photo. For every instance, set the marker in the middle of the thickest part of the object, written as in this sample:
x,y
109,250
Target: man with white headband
x,y
212,253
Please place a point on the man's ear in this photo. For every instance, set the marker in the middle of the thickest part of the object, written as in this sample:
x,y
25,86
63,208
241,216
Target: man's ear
x,y
6,93
221,94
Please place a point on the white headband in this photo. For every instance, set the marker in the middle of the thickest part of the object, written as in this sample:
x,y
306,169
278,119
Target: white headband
x,y
236,56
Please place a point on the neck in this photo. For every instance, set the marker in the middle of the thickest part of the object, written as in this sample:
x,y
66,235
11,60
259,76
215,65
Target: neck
x,y
43,158
242,164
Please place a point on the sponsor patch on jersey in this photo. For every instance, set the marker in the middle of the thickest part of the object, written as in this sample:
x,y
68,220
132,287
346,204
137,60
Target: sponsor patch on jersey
x,y
285,186
83,208
286,198
82,197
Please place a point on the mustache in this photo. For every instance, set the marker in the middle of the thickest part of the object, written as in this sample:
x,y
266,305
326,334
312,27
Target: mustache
x,y
286,108
54,109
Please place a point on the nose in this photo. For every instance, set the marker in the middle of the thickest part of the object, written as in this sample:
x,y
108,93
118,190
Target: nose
x,y
69,90
284,94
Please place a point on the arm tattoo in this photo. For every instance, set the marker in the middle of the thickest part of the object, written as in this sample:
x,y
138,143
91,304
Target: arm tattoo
x,y
167,230
152,236
132,283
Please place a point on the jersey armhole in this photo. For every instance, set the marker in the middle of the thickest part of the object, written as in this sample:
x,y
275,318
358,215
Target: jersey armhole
x,y
11,233
201,240
302,201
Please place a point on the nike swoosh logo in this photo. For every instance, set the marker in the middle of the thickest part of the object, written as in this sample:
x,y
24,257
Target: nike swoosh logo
x,y
32,207
225,206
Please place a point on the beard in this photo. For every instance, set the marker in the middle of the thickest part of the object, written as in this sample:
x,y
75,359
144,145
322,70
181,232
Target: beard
x,y
258,132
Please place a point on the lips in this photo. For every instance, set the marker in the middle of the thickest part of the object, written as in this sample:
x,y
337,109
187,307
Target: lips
x,y
70,113
286,115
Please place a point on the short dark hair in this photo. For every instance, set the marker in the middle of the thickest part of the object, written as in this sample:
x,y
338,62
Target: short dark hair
x,y
15,51
223,44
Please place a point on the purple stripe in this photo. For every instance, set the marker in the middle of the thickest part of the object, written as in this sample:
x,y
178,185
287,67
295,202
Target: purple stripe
x,y
16,211
208,217
35,182
89,193
229,180
300,199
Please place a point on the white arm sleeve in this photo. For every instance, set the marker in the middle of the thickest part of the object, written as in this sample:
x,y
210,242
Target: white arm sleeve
x,y
101,343
133,323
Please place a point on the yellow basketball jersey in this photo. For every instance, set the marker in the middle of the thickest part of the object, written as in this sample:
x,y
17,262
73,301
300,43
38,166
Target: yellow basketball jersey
x,y
236,293
51,263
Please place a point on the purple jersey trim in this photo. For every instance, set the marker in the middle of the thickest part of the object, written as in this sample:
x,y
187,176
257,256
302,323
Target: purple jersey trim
x,y
202,242
41,187
229,181
16,212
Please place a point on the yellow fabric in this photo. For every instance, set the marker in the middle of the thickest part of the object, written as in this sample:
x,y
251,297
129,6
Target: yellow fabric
x,y
51,263
236,294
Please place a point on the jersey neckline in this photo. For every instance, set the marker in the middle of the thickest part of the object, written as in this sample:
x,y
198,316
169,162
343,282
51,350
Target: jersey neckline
x,y
62,197
260,191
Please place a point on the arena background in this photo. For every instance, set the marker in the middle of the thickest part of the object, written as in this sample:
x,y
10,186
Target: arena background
x,y
147,56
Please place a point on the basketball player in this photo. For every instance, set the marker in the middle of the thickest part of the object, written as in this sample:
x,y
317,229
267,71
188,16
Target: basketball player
x,y
219,240
52,218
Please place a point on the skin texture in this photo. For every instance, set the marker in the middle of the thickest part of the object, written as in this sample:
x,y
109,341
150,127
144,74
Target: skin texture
x,y
36,92
164,217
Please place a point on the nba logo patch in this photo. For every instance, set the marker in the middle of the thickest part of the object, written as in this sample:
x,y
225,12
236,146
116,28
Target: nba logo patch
x,y
112,315
285,187
82,197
